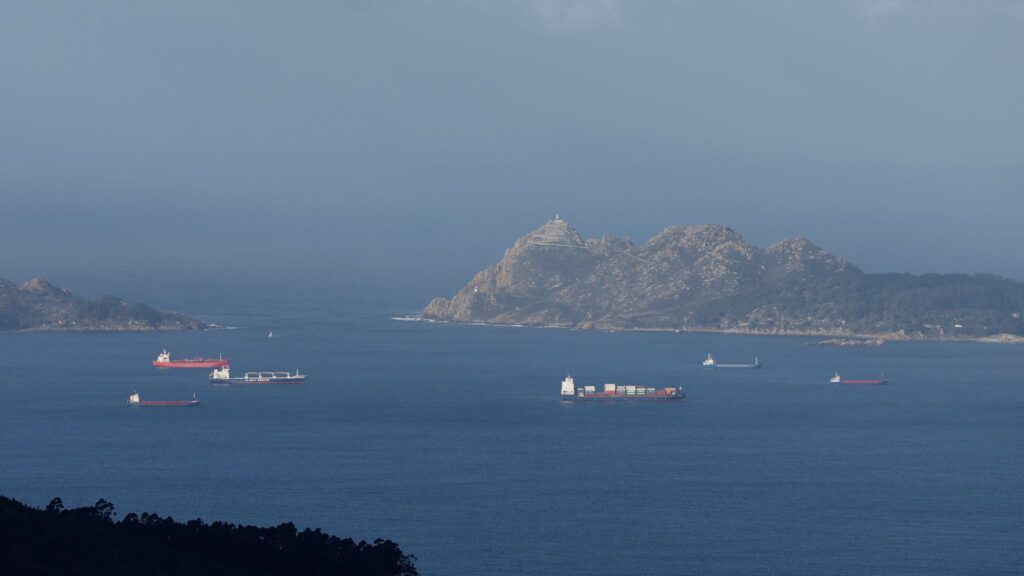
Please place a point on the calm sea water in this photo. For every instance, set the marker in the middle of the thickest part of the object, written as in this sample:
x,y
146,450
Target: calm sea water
x,y
451,440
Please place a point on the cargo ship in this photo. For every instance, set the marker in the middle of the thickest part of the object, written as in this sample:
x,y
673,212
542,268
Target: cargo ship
x,y
223,376
163,360
837,379
710,362
616,392
134,400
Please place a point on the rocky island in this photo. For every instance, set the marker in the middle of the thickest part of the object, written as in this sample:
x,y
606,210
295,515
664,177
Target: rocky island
x,y
39,305
707,278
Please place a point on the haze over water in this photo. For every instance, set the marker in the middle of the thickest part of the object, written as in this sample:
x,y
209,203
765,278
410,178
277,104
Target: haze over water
x,y
418,139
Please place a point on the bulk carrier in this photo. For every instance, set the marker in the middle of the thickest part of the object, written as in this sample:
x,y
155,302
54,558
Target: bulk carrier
x,y
616,392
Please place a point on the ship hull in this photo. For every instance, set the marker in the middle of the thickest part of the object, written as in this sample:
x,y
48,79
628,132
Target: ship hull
x,y
249,381
205,363
166,403
626,397
739,366
863,382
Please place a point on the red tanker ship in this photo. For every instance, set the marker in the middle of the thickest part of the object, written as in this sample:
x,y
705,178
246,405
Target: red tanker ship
x,y
164,361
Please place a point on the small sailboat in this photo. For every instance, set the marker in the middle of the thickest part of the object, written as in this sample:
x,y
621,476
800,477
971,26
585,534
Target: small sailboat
x,y
270,334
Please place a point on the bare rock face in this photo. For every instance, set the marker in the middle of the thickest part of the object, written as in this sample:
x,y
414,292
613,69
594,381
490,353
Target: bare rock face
x,y
709,278
541,267
800,255
41,287
39,305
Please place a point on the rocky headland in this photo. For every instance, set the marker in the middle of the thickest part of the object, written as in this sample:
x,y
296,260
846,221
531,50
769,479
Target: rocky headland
x,y
708,278
39,305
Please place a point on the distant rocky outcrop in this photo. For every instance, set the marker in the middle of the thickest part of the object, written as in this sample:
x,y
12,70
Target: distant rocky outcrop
x,y
707,278
39,305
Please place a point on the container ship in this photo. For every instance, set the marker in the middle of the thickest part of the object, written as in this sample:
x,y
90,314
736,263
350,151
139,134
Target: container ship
x,y
223,376
134,400
164,361
616,392
710,362
837,379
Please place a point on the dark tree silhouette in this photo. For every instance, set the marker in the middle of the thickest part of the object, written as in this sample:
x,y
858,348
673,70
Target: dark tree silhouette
x,y
87,541
56,506
104,510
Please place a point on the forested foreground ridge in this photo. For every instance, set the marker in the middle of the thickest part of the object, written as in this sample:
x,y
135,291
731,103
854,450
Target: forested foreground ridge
x,y
90,541
39,305
708,278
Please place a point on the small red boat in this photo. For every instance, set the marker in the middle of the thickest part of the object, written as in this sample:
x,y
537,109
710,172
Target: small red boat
x,y
134,400
164,361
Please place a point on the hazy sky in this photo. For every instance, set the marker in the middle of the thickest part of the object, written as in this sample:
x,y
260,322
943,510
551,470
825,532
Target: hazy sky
x,y
419,138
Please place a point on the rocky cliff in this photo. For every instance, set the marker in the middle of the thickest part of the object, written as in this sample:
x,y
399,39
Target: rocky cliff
x,y
39,305
707,278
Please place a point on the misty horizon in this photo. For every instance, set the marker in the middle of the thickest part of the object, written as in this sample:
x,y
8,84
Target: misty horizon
x,y
373,144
